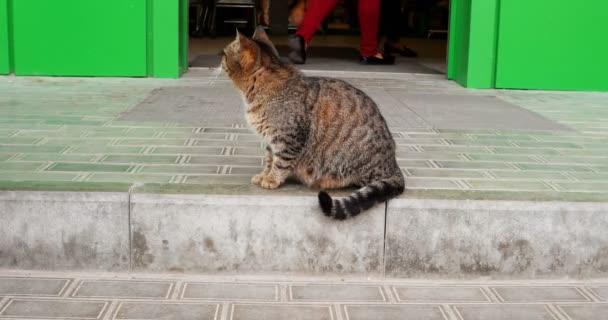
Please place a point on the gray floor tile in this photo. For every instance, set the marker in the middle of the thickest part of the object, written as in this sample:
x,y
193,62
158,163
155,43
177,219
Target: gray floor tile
x,y
441,294
455,111
601,292
587,312
166,311
226,291
54,309
281,312
503,312
369,312
124,289
336,293
29,286
539,294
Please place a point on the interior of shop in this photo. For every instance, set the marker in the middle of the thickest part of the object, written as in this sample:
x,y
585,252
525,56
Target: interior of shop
x,y
422,29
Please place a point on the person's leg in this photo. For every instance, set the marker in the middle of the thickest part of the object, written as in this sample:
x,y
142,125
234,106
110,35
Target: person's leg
x,y
369,16
316,12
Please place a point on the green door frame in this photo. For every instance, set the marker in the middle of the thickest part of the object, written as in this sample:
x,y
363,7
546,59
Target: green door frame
x,y
5,42
472,45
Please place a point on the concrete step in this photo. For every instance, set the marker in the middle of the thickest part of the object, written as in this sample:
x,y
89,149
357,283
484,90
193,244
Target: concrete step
x,y
235,231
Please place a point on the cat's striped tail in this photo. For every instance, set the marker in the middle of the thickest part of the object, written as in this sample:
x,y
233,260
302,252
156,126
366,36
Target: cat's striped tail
x,y
362,199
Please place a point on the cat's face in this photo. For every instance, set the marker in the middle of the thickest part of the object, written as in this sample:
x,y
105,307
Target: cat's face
x,y
244,56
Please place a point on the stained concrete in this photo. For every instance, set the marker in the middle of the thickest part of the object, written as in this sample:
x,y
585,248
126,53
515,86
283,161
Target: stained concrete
x,y
214,233
64,230
501,239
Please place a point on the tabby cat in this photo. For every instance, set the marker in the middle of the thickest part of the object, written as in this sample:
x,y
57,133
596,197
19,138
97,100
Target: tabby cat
x,y
324,131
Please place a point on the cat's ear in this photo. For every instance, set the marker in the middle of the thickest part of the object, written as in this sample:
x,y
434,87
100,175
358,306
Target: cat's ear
x,y
261,35
249,50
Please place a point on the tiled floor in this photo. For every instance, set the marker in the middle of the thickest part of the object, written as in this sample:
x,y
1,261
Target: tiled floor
x,y
120,296
93,133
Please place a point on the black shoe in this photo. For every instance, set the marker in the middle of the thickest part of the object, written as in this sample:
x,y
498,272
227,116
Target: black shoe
x,y
404,51
373,60
298,49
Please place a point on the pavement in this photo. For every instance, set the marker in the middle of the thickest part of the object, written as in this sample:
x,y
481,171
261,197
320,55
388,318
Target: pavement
x,y
110,134
135,296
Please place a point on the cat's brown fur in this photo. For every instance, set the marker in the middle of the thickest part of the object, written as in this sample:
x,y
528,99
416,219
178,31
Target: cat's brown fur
x,y
324,131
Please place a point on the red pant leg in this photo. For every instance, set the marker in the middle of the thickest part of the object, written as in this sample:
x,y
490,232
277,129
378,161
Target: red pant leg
x,y
369,17
316,12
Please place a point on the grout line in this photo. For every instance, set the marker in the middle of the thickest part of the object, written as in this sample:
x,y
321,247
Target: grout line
x,y
338,312
448,312
556,312
111,309
177,288
72,288
225,307
384,239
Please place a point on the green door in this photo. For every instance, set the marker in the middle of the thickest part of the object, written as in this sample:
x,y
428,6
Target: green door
x,y
79,37
545,44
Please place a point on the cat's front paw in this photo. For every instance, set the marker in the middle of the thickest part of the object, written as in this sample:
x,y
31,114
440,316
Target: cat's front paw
x,y
257,179
269,182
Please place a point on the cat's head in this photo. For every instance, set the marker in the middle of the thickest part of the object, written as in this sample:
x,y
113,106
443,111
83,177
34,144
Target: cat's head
x,y
244,56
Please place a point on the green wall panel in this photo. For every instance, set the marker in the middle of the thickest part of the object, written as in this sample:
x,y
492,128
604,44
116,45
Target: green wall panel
x,y
472,43
4,41
546,44
80,38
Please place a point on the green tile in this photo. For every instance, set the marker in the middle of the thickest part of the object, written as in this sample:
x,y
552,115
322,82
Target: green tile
x,y
455,149
485,142
591,176
216,136
59,157
219,179
246,170
31,149
601,187
576,160
413,163
18,140
427,184
226,160
188,150
151,142
419,141
256,151
153,131
88,167
545,144
51,133
472,165
106,149
228,143
179,169
76,142
126,177
552,167
37,176
426,155
20,166
530,151
530,175
508,185
139,159
227,130
501,157
444,173
78,121
5,156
